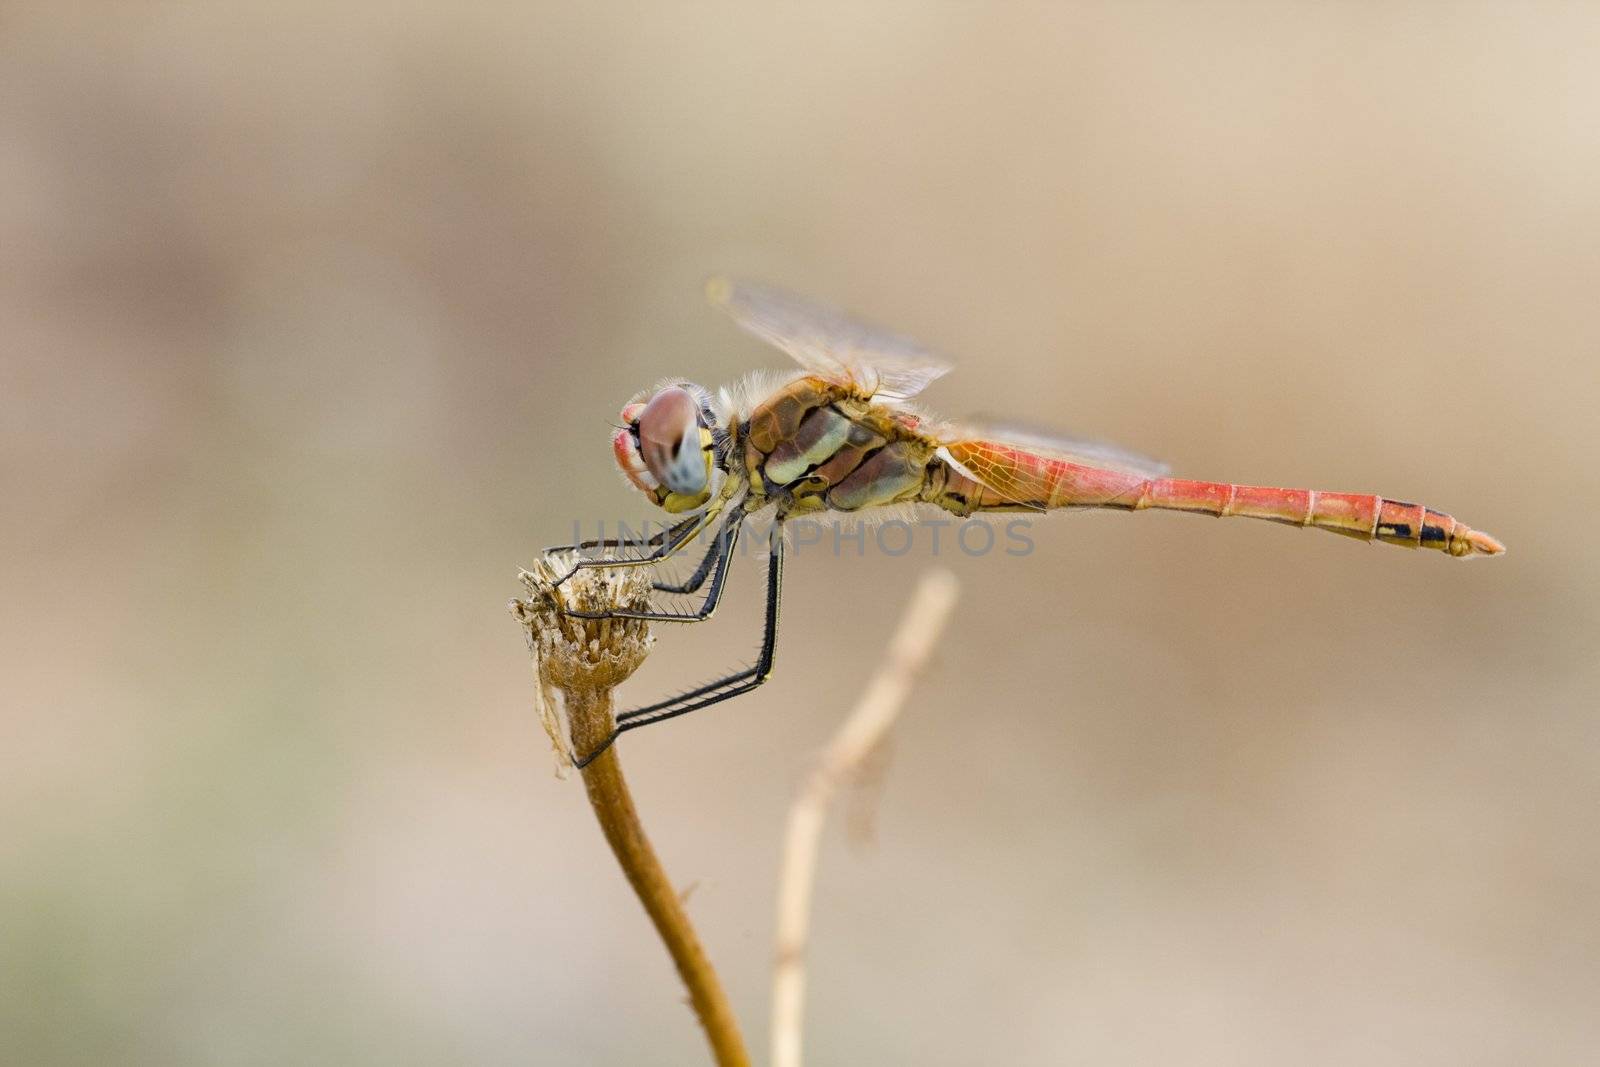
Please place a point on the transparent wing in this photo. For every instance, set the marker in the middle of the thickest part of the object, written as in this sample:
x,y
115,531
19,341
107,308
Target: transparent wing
x,y
828,342
1085,451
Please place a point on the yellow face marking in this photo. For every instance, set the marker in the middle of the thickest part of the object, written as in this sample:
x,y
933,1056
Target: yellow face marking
x,y
677,503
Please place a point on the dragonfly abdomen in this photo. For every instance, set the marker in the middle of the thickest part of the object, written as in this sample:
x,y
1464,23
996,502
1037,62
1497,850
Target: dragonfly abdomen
x,y
990,475
1366,516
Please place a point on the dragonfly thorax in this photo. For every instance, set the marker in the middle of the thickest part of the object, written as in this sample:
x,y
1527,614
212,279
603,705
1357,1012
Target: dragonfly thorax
x,y
666,446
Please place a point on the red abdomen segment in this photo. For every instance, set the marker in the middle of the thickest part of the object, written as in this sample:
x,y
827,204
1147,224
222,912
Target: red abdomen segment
x,y
1006,478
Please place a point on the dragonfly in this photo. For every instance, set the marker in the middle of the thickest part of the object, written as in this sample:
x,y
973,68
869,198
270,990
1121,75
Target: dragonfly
x,y
839,434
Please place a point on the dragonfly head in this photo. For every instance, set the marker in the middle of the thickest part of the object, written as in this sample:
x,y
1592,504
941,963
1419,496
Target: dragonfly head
x,y
667,446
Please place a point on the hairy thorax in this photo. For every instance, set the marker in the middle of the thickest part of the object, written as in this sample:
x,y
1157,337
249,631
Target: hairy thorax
x,y
817,445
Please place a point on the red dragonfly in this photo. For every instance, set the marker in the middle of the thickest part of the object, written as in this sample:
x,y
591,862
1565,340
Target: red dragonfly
x,y
838,434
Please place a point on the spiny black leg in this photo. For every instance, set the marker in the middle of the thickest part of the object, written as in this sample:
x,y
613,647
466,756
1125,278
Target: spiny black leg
x,y
652,541
769,635
698,578
720,555
752,675
723,688
663,544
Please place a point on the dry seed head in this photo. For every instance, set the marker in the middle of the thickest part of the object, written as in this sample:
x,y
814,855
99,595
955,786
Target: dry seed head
x,y
580,656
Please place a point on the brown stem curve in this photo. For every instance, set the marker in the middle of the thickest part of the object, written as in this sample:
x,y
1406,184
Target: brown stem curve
x,y
590,715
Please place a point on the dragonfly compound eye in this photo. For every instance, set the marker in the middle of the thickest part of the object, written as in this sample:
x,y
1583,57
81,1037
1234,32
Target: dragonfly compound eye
x,y
669,441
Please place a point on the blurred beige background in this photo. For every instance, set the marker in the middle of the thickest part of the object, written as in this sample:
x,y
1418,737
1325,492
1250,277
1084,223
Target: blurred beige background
x,y
312,323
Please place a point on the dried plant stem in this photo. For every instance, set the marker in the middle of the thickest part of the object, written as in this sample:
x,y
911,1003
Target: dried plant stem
x,y
590,718
856,740
585,660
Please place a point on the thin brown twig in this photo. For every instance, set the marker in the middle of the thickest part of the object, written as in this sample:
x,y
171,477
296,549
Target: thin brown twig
x,y
585,660
619,820
855,741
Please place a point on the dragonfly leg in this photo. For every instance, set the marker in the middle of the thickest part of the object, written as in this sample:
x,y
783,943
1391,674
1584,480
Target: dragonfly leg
x,y
715,563
717,552
653,541
662,545
723,688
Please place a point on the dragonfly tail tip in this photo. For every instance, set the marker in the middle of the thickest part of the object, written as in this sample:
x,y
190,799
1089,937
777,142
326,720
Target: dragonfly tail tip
x,y
1479,543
